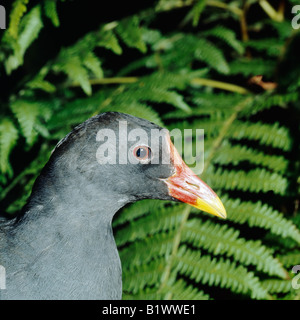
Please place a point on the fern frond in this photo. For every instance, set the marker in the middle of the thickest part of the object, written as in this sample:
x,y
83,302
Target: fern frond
x,y
206,101
51,11
187,48
130,33
79,60
252,181
30,26
222,273
159,95
211,55
82,109
145,284
182,291
145,250
270,46
137,210
261,215
93,64
216,105
272,135
169,80
161,220
152,37
234,154
197,10
146,294
26,112
18,10
211,128
267,101
163,5
252,67
219,239
147,275
109,41
277,286
72,66
137,109
290,259
178,291
228,36
39,83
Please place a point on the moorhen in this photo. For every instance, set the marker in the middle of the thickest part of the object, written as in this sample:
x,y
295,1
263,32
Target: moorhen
x,y
61,246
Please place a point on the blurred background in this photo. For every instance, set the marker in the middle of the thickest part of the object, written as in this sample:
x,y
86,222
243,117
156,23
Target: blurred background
x,y
229,67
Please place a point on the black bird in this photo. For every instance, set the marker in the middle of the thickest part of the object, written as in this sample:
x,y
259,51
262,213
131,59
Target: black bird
x,y
61,246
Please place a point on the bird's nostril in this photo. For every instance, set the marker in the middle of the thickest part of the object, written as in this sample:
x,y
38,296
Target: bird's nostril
x,y
195,186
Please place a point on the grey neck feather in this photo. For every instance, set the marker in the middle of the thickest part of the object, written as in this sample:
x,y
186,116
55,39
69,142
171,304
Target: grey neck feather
x,y
63,247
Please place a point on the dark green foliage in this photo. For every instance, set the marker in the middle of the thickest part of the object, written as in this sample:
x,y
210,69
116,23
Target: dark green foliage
x,y
195,74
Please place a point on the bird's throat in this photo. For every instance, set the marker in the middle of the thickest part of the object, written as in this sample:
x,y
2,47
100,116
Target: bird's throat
x,y
64,250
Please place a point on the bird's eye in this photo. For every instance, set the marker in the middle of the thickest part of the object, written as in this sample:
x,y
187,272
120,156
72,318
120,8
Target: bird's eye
x,y
142,153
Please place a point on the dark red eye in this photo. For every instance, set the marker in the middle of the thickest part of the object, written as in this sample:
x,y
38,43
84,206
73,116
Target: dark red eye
x,y
142,153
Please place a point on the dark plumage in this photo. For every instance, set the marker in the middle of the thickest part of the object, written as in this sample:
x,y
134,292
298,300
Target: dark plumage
x,y
61,246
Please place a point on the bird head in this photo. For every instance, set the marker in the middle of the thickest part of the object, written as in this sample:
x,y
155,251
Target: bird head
x,y
134,159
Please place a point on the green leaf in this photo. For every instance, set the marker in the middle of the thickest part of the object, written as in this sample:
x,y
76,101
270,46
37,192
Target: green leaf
x,y
290,259
51,11
93,64
39,83
18,10
219,239
228,36
213,56
8,139
130,32
272,135
252,181
31,26
257,214
110,41
26,112
197,10
72,66
218,272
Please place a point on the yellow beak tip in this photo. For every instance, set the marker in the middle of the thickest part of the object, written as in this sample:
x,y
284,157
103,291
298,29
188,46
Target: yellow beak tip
x,y
214,207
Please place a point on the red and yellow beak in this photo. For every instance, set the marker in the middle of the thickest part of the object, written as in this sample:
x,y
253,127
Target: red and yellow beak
x,y
185,186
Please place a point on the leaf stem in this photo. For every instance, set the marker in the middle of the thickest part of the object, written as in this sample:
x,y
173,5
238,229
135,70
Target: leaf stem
x,y
196,81
220,85
222,5
103,81
270,11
